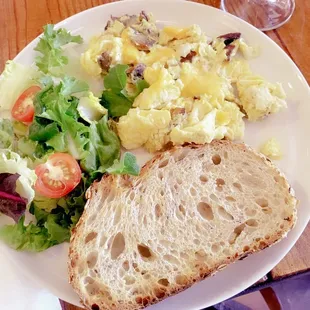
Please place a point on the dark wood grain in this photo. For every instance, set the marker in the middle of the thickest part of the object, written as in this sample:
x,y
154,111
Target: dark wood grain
x,y
297,260
22,20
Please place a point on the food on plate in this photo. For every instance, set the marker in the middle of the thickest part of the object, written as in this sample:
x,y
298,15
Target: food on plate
x,y
272,149
201,204
58,176
14,80
176,85
12,163
23,109
55,140
260,98
11,203
160,88
192,211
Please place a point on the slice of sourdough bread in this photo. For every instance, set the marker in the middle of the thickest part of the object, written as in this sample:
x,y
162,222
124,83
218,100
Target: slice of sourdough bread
x,y
192,211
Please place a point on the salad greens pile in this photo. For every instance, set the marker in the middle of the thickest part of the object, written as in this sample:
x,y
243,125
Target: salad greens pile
x,y
67,119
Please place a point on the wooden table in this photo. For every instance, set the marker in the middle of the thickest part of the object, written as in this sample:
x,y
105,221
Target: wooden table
x,y
22,20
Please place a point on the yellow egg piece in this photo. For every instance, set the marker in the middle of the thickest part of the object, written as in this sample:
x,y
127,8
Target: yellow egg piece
x,y
198,82
259,98
130,54
140,127
160,92
202,132
271,148
170,33
104,43
158,54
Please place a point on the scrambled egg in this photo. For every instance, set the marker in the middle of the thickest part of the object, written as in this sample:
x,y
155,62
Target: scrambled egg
x,y
271,149
200,88
260,98
144,127
163,88
208,120
106,42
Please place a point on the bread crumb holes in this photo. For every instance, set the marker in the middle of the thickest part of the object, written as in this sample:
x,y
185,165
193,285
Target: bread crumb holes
x,y
91,259
216,159
181,280
238,186
224,214
251,223
144,251
205,210
203,179
91,236
118,246
163,282
163,163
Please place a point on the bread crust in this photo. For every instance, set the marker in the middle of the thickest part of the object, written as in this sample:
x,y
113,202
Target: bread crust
x,y
110,180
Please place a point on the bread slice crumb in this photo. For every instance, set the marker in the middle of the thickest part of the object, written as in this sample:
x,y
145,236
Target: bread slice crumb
x,y
192,211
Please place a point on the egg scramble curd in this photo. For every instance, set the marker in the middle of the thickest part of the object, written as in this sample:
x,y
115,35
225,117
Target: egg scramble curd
x,y
199,89
271,148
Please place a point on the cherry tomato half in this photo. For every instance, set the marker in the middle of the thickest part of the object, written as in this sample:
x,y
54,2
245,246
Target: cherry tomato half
x,y
23,109
58,176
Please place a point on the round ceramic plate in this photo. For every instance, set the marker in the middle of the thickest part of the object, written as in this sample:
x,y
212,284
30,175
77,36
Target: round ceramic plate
x,y
290,127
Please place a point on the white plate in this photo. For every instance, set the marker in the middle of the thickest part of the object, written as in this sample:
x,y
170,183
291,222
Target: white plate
x,y
291,128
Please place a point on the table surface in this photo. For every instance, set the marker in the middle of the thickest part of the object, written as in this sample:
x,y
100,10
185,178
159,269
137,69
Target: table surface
x,y
21,21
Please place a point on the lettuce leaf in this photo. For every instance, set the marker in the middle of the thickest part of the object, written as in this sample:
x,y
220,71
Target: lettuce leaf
x,y
59,125
116,103
57,232
11,162
26,147
72,109
11,140
50,47
6,134
43,132
56,118
90,109
26,238
116,79
75,201
44,203
38,237
103,147
115,97
13,81
70,85
57,228
73,136
140,85
127,165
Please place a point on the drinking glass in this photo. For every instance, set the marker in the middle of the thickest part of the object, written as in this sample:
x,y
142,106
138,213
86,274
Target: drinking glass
x,y
263,14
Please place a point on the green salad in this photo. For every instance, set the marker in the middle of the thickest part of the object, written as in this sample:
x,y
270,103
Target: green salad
x,y
56,138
